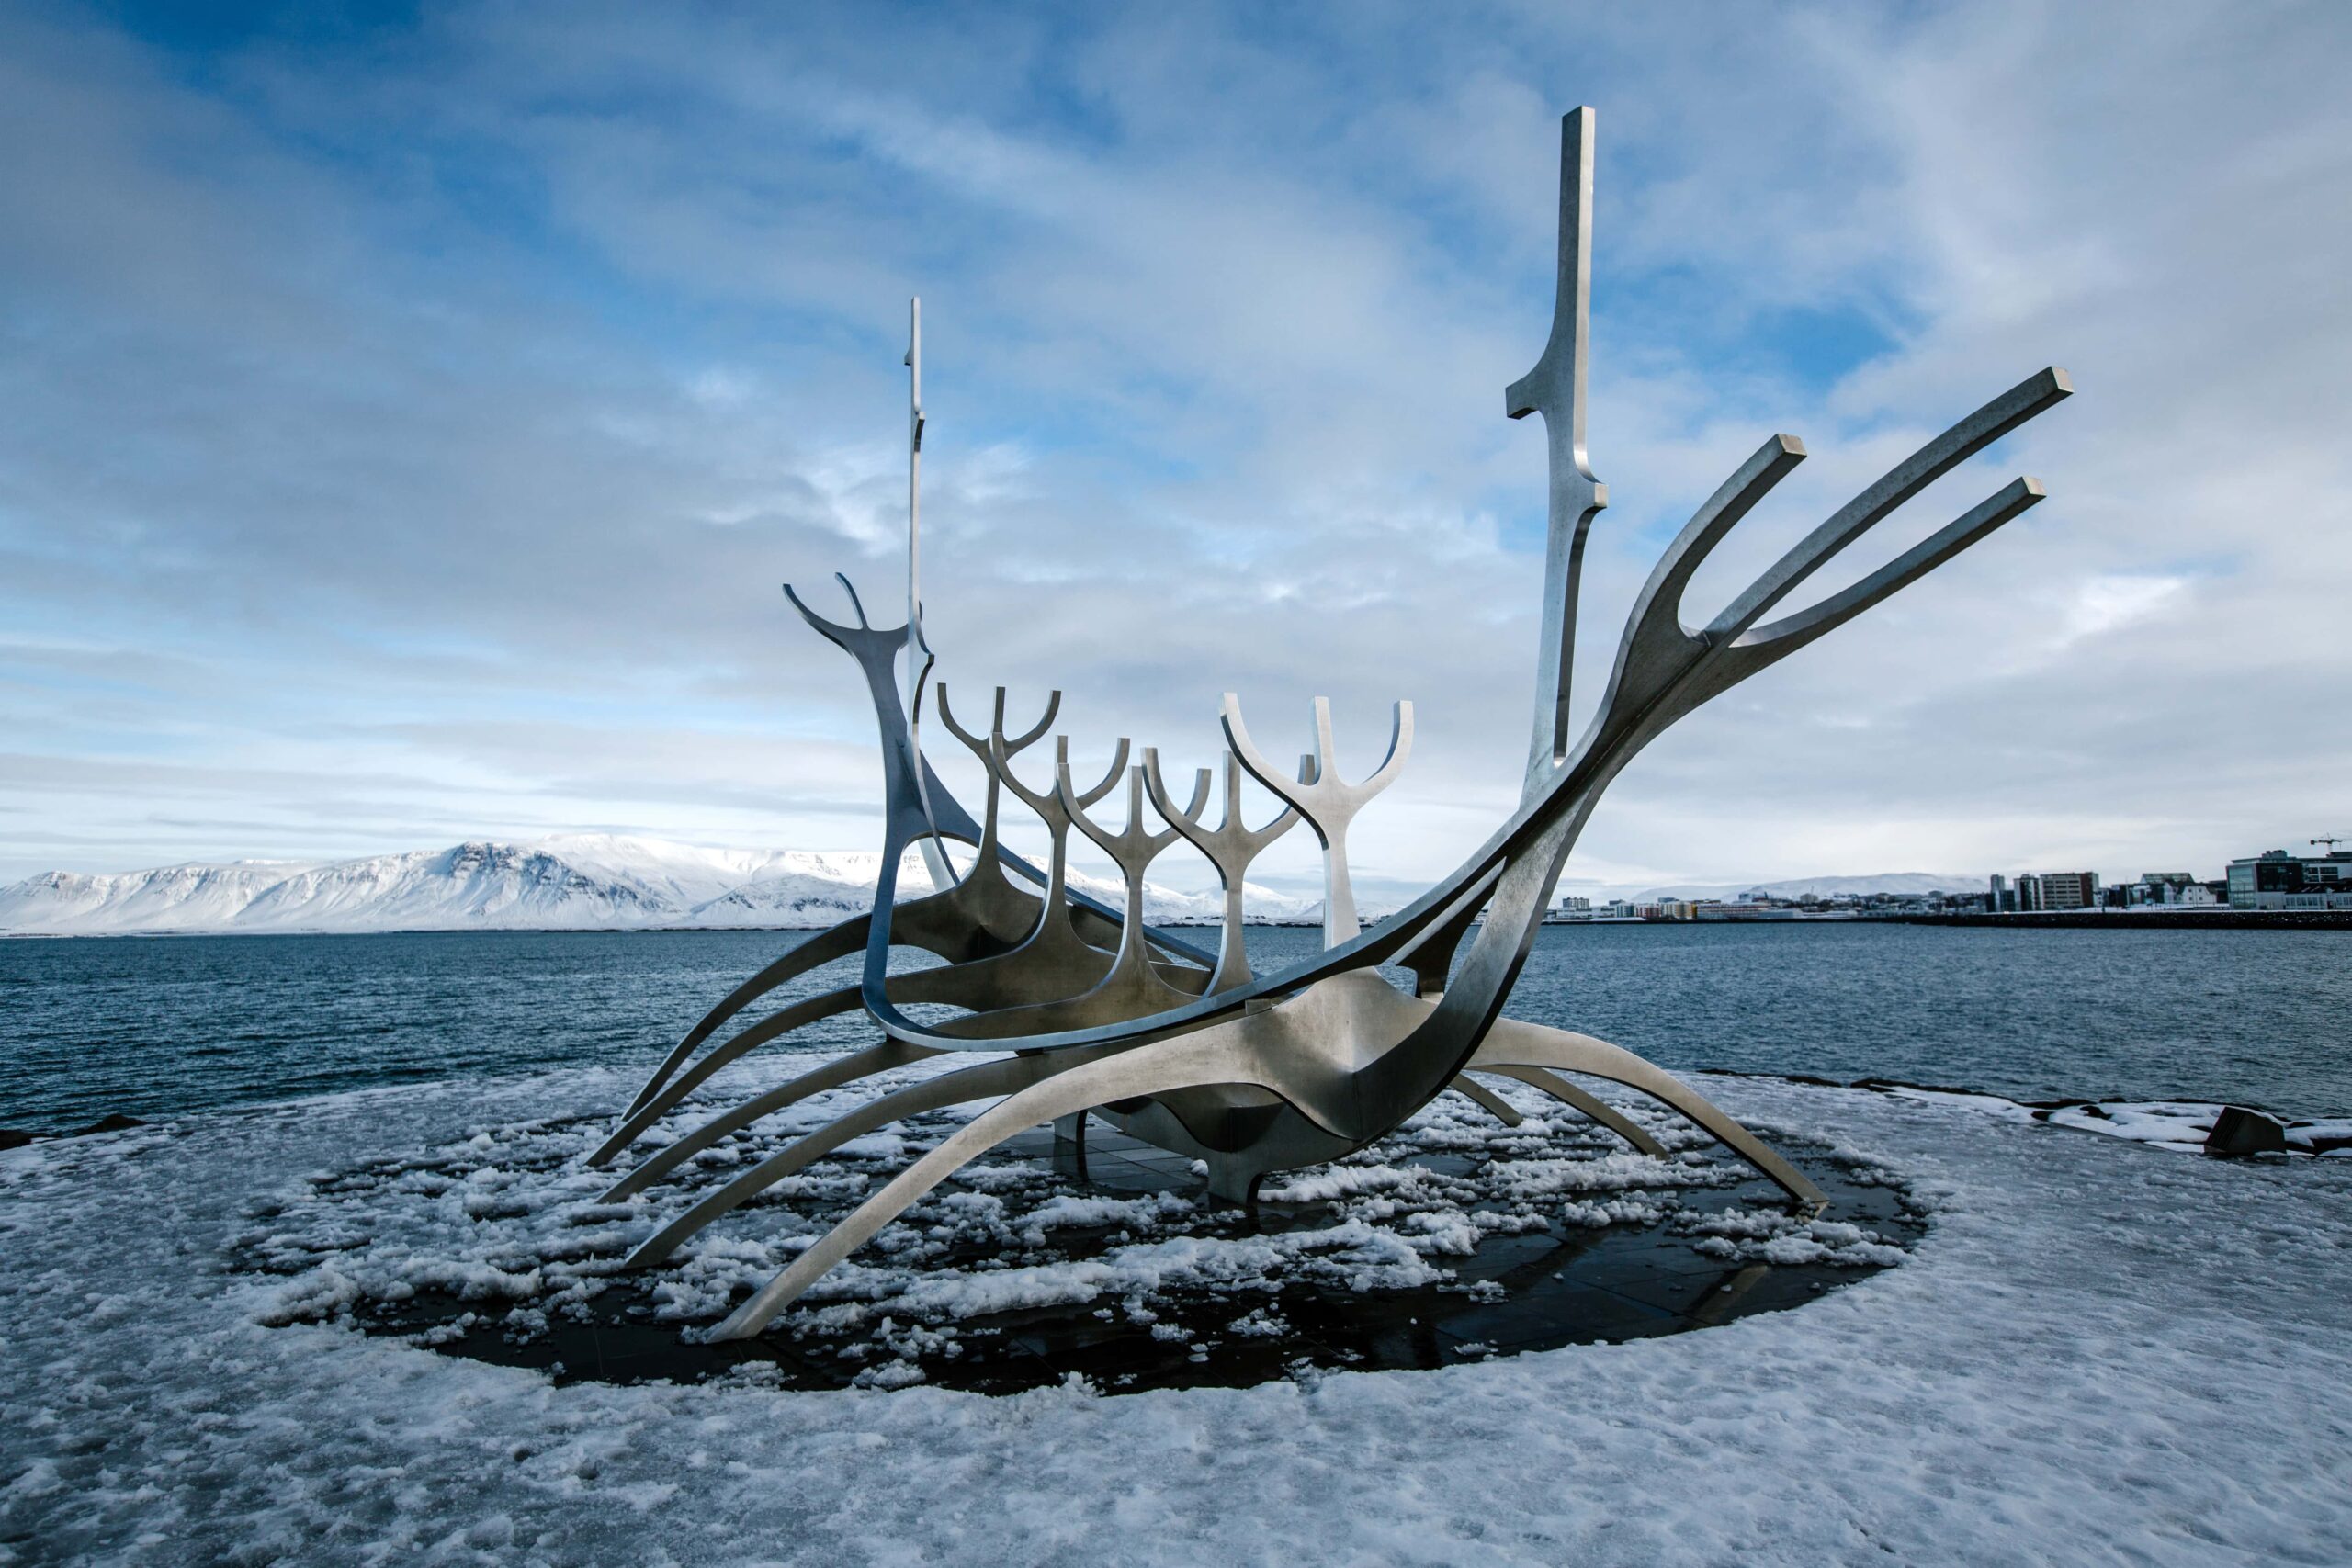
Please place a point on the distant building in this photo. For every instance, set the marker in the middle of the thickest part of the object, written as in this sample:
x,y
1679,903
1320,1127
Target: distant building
x,y
2167,887
2068,889
2001,896
1570,910
2029,892
2277,880
1745,910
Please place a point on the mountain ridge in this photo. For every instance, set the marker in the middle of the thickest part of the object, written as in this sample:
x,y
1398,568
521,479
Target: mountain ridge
x,y
596,882
567,882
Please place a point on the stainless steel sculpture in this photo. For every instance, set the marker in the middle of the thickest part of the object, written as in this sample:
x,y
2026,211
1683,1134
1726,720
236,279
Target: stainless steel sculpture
x,y
1082,1009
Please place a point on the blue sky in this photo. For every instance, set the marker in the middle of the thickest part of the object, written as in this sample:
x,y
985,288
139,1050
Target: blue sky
x,y
407,414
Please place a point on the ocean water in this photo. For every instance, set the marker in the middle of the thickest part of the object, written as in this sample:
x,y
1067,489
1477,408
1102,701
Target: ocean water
x,y
161,1027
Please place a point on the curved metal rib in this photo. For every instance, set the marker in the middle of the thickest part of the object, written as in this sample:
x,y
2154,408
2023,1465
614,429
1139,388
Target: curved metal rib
x,y
1002,1075
874,1059
1038,968
1046,1088
1060,1091
810,1009
838,942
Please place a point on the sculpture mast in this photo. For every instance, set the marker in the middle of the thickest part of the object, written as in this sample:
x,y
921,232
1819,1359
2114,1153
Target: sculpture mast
x,y
1555,389
918,650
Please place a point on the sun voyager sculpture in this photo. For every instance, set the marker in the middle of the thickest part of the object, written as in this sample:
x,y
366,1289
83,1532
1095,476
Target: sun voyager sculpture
x,y
1074,1008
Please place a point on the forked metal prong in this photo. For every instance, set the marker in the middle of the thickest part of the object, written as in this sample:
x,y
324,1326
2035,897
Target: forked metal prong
x,y
2044,391
995,748
1030,736
1229,847
1185,822
857,605
1326,802
1657,611
1074,801
1784,636
831,631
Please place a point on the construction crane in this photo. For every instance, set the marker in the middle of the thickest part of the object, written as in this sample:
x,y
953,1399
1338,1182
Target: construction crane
x,y
2332,843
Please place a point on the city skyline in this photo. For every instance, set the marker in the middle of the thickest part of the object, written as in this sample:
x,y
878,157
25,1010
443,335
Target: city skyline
x,y
411,423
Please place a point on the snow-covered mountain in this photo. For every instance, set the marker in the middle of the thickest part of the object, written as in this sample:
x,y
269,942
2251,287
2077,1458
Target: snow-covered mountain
x,y
572,882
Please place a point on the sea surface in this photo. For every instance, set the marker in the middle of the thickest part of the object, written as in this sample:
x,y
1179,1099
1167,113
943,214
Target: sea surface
x,y
162,1027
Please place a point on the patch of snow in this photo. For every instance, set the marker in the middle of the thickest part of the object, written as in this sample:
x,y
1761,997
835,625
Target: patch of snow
x,y
2178,1124
2094,1358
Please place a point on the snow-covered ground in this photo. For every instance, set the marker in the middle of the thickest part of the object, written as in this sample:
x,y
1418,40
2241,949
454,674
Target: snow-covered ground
x,y
2178,1124
504,1232
2100,1353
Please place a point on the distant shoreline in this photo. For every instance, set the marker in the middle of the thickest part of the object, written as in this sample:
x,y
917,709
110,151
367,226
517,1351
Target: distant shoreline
x,y
2146,920
2073,920
550,930
2067,919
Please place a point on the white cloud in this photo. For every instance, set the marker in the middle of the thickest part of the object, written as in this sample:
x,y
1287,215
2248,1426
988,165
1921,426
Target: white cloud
x,y
410,443
2109,604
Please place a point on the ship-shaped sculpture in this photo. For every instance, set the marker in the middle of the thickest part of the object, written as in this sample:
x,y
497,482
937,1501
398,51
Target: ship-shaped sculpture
x,y
1077,1009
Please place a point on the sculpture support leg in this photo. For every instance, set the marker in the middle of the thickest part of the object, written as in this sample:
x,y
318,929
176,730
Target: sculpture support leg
x,y
1514,1044
1494,1104
1599,1109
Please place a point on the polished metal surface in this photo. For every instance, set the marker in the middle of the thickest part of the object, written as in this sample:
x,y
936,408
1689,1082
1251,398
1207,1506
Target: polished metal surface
x,y
1555,389
1230,847
1327,802
1098,1013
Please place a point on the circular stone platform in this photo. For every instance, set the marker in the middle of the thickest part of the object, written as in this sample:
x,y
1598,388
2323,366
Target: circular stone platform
x,y
1456,1238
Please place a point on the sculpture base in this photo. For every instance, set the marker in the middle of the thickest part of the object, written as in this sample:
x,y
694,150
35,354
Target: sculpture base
x,y
1452,1240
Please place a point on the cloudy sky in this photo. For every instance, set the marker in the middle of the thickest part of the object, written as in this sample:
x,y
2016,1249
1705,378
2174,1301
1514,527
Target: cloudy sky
x,y
406,422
